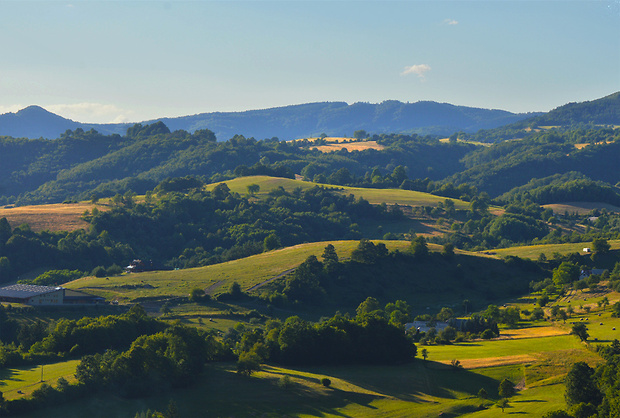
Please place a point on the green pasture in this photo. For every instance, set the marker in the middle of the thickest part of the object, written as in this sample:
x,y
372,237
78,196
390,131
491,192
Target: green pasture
x,y
533,251
533,402
415,389
420,389
28,378
600,333
374,196
248,272
501,348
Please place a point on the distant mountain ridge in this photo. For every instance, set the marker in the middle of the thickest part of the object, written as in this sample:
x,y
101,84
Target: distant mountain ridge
x,y
36,122
342,119
331,118
288,122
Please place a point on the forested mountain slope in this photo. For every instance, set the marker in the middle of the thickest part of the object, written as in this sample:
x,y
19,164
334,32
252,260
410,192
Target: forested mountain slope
x,y
38,171
288,122
82,163
340,119
603,111
499,168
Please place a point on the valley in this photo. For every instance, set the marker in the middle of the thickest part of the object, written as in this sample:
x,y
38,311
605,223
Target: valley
x,y
385,274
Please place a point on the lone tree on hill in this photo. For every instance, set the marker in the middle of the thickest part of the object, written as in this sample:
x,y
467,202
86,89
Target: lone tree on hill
x,y
600,246
506,388
418,247
329,254
271,242
253,189
502,403
360,134
581,331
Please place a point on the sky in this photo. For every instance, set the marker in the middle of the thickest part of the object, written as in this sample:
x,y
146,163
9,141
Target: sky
x,y
130,61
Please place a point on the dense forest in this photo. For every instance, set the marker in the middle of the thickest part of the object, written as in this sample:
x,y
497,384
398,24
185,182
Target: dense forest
x,y
188,228
81,164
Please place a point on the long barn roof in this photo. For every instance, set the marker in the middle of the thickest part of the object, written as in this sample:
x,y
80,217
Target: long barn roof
x,y
23,291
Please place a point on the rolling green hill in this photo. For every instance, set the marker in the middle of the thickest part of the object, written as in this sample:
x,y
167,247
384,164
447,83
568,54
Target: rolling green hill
x,y
533,251
432,282
374,196
248,272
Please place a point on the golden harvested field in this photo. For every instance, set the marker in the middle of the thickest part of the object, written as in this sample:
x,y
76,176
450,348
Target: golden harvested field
x,y
480,144
478,363
350,146
580,208
327,139
533,332
56,217
581,146
337,139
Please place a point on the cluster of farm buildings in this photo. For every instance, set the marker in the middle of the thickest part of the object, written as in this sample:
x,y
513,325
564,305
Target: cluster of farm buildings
x,y
46,296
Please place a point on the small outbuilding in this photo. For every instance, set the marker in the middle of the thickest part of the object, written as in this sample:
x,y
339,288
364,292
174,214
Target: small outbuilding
x,y
138,266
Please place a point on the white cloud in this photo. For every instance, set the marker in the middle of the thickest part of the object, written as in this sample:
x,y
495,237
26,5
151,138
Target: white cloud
x,y
451,22
91,112
417,69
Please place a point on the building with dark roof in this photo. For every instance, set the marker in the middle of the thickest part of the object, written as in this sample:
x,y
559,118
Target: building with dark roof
x,y
46,295
32,295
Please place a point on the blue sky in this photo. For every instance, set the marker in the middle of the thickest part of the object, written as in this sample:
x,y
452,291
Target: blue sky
x,y
118,61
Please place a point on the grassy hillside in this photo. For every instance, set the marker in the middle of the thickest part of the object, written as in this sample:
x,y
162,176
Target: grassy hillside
x,y
374,196
429,283
53,217
581,208
351,146
248,272
535,357
28,378
534,251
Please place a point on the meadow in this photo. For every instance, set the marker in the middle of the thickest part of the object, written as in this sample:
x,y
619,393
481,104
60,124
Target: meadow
x,y
374,196
534,251
535,356
350,146
16,382
580,208
54,217
250,273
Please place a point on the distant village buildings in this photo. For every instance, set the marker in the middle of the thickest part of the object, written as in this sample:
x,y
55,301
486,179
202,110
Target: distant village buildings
x,y
46,296
137,266
587,273
424,326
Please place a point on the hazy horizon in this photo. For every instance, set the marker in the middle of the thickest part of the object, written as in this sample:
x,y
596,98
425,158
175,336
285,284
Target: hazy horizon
x,y
112,62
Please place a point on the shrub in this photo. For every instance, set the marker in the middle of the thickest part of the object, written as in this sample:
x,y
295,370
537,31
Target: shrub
x,y
114,270
487,334
196,295
99,271
285,382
